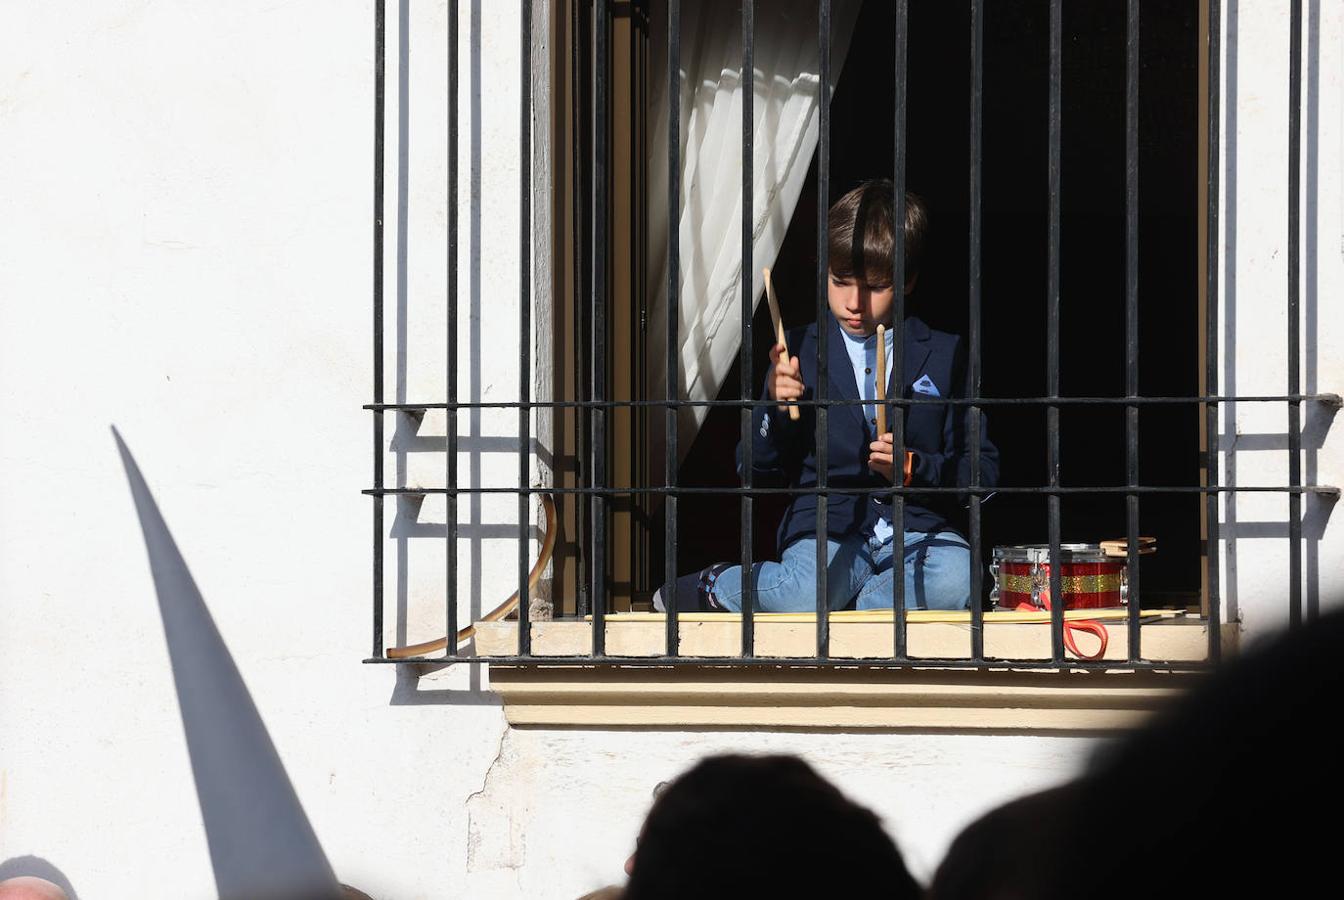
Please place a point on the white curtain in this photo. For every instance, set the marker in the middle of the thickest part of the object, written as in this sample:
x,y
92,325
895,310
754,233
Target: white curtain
x,y
786,118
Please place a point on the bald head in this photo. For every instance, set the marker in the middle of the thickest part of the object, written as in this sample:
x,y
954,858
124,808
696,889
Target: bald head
x,y
28,887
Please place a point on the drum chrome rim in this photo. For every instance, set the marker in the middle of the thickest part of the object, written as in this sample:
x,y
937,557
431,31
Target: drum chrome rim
x,y
1039,554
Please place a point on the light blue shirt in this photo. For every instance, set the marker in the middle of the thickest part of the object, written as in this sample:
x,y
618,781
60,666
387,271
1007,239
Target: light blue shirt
x,y
863,359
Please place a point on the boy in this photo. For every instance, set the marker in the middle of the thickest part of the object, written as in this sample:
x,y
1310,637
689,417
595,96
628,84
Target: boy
x,y
859,532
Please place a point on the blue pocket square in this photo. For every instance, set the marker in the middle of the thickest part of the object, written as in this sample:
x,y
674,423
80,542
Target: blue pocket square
x,y
925,385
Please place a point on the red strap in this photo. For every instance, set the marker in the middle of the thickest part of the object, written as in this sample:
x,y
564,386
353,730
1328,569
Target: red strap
x,y
1092,627
1089,626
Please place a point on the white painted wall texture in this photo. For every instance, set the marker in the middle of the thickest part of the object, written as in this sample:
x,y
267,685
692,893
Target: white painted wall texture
x,y
1253,338
185,252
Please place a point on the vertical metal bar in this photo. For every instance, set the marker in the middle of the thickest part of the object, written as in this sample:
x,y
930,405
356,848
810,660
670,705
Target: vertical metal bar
x,y
645,414
524,321
672,353
1052,332
823,317
1211,328
1132,319
1294,313
748,82
645,371
900,46
635,446
581,67
601,150
379,114
973,336
450,573
573,284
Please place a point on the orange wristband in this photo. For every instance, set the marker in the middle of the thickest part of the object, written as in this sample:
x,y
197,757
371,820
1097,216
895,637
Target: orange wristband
x,y
909,466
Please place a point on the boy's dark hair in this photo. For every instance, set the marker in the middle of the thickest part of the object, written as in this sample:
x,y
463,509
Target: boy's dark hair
x,y
863,233
767,826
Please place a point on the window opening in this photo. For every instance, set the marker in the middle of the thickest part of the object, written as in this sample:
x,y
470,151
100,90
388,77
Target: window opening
x,y
1068,383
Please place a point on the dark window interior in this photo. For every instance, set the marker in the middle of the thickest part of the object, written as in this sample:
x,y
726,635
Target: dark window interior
x,y
1014,263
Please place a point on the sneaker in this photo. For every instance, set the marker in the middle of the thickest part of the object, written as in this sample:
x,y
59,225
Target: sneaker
x,y
694,592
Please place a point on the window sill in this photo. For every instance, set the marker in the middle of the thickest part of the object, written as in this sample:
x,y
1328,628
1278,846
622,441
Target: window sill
x,y
692,697
795,695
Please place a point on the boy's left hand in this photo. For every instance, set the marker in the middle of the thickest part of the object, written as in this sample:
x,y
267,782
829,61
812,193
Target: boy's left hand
x,y
880,458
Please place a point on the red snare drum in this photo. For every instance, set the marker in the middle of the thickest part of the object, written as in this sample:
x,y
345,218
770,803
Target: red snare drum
x,y
1088,578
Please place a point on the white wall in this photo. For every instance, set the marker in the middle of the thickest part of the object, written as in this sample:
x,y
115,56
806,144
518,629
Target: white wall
x,y
185,252
186,244
1253,286
560,809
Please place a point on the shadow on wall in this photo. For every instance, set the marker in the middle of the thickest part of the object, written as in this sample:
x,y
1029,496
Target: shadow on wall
x,y
37,867
410,690
406,438
261,843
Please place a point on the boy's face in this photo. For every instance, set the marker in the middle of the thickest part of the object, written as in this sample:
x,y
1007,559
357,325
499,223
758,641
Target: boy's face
x,y
859,307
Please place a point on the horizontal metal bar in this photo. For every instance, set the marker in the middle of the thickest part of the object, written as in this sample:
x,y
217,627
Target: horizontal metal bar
x,y
801,662
1320,490
1333,400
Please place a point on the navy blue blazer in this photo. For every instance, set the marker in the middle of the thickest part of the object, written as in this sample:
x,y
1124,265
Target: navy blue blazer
x,y
784,451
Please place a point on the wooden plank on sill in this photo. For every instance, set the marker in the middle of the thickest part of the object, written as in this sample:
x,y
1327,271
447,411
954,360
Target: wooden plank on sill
x,y
1164,638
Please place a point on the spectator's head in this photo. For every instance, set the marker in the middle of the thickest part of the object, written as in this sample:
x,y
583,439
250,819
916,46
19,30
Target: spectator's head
x,y
28,887
1223,791
738,826
1007,853
1228,793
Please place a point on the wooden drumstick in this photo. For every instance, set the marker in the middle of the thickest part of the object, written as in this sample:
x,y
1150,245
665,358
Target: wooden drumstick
x,y
794,413
881,380
1120,547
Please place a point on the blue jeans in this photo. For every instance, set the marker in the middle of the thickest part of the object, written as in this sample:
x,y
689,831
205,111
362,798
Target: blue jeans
x,y
937,575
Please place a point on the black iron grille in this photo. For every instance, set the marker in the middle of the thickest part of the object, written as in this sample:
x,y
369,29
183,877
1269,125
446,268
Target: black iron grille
x,y
592,55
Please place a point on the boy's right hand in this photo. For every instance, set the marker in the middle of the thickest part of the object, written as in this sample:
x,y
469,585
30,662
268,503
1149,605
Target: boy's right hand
x,y
785,380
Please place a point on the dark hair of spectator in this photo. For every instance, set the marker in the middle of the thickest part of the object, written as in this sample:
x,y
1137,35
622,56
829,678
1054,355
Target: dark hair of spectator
x,y
769,826
1216,797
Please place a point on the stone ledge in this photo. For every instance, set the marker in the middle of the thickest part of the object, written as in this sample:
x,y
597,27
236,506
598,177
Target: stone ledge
x,y
843,698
